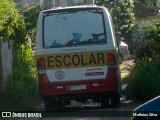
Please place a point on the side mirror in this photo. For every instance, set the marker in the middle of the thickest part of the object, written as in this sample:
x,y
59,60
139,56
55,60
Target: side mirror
x,y
118,38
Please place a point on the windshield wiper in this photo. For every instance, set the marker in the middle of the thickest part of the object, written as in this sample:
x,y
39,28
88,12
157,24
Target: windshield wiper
x,y
96,36
96,39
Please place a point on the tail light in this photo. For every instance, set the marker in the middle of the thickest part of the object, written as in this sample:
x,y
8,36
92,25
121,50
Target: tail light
x,y
41,66
111,61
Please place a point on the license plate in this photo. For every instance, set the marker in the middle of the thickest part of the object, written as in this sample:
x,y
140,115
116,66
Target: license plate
x,y
78,87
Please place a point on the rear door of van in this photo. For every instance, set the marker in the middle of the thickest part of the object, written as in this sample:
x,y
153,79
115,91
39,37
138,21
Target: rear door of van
x,y
76,44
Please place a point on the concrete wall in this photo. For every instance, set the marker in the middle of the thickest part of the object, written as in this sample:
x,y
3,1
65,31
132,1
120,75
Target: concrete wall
x,y
80,2
6,59
65,3
19,5
0,69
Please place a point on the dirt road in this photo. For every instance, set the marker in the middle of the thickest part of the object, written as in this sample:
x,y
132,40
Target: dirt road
x,y
126,68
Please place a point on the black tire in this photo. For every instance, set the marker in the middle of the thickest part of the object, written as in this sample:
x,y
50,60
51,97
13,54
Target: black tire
x,y
115,100
105,102
48,104
58,105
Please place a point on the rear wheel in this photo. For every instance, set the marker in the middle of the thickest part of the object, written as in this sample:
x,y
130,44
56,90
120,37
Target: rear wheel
x,y
53,105
57,105
115,100
105,102
48,104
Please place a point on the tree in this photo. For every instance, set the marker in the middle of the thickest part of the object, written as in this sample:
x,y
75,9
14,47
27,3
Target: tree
x,y
121,12
31,16
148,3
11,22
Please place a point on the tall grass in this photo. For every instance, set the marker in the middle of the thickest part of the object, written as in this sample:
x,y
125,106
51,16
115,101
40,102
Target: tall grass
x,y
21,91
144,80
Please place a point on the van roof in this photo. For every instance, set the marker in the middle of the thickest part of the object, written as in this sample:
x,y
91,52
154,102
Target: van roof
x,y
72,7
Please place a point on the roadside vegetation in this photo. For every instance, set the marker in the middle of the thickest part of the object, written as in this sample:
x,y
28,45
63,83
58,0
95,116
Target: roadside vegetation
x,y
21,91
11,23
30,17
144,79
121,12
21,88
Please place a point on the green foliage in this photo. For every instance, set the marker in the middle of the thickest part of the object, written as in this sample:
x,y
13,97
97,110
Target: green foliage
x,y
148,3
31,16
11,22
22,85
144,80
153,32
150,44
122,13
21,91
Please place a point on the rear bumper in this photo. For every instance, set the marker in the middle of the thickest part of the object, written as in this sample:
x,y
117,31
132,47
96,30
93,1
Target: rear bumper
x,y
82,96
110,84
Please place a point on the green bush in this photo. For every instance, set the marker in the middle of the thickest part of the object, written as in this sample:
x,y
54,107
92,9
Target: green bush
x,y
121,13
11,23
31,17
150,44
21,91
144,80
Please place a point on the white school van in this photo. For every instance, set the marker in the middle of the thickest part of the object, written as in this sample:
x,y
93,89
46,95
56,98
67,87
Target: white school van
x,y
77,57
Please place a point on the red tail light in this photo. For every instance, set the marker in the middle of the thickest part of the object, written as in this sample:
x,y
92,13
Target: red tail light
x,y
111,56
41,66
111,59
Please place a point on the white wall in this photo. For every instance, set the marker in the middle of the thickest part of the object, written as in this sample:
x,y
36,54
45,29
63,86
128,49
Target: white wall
x,y
65,3
6,62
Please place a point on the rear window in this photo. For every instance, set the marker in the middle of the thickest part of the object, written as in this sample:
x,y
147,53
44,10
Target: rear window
x,y
73,27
